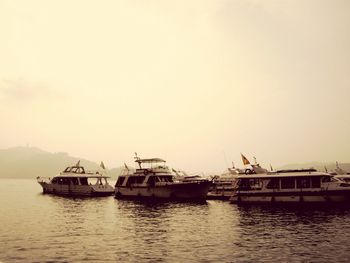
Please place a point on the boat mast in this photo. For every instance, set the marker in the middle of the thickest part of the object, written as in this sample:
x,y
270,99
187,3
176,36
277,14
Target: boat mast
x,y
137,159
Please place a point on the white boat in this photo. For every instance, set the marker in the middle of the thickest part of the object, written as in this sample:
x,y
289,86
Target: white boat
x,y
341,173
290,186
75,181
182,176
153,179
222,187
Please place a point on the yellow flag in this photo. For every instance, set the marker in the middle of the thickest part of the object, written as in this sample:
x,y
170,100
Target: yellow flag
x,y
245,160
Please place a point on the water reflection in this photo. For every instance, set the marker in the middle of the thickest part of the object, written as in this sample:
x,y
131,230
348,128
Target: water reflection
x,y
153,226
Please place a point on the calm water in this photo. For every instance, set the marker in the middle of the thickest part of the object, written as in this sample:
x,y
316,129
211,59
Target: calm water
x,y
44,228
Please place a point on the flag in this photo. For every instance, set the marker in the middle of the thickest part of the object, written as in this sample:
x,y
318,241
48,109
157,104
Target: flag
x,y
126,167
78,163
102,165
245,160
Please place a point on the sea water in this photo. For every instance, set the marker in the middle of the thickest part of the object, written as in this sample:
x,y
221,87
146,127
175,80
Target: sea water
x,y
43,228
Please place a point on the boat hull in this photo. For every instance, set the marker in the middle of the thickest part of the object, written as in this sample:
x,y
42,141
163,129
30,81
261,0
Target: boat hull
x,y
77,190
335,196
219,195
176,191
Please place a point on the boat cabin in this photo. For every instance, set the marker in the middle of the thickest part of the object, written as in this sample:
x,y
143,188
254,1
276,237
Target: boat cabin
x,y
84,180
143,180
287,181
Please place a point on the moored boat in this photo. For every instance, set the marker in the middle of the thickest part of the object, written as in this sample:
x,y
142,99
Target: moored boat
x,y
153,179
290,186
75,181
341,173
222,187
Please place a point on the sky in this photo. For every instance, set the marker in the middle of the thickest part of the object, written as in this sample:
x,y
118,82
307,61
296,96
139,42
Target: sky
x,y
196,82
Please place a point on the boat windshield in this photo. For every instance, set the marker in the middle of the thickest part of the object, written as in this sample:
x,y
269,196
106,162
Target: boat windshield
x,y
75,169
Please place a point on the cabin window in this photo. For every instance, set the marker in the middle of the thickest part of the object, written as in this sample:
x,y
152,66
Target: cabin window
x,y
60,180
140,179
170,179
274,183
74,181
83,181
326,179
131,180
120,181
315,182
244,184
255,184
303,183
287,183
152,181
64,181
163,179
54,180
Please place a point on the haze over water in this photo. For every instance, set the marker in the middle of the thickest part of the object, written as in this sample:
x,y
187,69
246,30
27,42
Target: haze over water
x,y
44,228
195,82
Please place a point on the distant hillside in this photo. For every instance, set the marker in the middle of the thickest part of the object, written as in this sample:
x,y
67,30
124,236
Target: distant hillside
x,y
317,165
30,162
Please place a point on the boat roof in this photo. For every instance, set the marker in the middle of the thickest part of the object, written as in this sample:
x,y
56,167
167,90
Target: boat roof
x,y
342,175
151,160
282,175
86,175
296,170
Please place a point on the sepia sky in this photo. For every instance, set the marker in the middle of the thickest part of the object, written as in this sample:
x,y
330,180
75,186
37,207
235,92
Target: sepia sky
x,y
195,82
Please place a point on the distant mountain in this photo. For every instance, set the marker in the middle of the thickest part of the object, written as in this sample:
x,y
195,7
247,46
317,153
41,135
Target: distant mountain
x,y
316,165
30,162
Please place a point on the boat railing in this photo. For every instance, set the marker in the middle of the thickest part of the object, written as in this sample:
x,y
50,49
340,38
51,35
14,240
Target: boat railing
x,y
92,172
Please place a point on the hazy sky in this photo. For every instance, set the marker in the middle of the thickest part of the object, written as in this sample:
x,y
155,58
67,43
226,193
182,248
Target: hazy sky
x,y
195,82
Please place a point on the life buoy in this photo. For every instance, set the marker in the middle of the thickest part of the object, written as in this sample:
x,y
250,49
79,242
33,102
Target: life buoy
x,y
145,172
248,171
